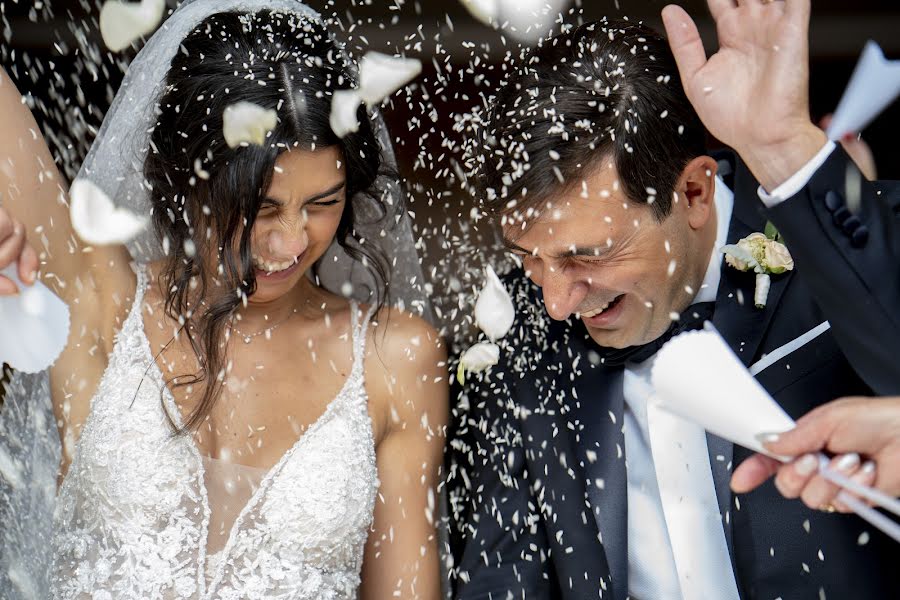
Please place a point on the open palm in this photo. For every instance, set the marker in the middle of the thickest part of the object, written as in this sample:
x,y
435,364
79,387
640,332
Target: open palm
x,y
753,91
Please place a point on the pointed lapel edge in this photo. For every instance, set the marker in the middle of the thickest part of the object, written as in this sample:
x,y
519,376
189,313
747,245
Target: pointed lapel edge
x,y
570,479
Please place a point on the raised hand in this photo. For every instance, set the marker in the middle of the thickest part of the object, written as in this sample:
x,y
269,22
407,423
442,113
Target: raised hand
x,y
752,94
14,248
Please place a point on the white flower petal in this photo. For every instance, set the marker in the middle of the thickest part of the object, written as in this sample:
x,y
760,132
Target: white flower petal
x,y
494,310
96,219
122,23
526,20
485,11
380,75
478,358
247,122
35,326
344,104
739,257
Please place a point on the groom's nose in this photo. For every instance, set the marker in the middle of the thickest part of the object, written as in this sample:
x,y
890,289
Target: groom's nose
x,y
562,294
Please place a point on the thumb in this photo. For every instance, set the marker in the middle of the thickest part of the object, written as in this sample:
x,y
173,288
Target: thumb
x,y
810,435
753,472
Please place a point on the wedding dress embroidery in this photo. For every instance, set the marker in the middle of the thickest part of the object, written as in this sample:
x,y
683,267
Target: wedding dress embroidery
x,y
133,514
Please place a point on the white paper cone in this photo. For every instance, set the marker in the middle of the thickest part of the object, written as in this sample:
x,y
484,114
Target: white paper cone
x,y
874,85
34,326
698,377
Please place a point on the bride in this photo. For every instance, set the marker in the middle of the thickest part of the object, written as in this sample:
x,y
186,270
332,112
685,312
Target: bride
x,y
244,415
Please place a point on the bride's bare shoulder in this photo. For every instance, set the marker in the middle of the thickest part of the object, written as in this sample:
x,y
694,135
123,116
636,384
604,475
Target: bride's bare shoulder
x,y
406,370
405,341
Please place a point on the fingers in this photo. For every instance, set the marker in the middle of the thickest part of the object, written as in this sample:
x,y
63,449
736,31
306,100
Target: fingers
x,y
28,264
793,477
12,243
14,248
810,435
684,39
819,493
865,475
719,7
753,472
7,287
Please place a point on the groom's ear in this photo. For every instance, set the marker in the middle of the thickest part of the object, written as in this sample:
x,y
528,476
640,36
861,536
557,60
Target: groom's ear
x,y
696,190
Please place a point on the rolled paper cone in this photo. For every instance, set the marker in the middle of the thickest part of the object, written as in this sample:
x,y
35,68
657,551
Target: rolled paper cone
x,y
697,377
34,326
875,83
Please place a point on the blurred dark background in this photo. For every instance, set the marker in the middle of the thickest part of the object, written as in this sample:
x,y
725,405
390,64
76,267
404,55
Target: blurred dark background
x,y
53,51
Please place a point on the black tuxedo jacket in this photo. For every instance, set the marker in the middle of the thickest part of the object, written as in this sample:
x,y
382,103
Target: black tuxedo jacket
x,y
851,263
538,455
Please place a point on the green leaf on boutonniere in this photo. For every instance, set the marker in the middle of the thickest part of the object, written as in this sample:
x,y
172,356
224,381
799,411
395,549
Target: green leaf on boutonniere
x,y
771,232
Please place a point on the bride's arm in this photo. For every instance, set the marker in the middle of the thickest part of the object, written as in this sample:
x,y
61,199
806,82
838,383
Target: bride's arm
x,y
33,191
406,375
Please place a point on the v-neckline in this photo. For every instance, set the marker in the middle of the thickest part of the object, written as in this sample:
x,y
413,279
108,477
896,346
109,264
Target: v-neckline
x,y
357,321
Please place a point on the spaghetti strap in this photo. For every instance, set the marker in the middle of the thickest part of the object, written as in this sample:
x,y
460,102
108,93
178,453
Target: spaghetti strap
x,y
359,327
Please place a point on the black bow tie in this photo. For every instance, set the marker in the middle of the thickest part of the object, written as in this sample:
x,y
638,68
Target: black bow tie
x,y
692,318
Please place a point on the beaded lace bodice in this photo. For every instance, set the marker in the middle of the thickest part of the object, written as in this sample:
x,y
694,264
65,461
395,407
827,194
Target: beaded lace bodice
x,y
133,513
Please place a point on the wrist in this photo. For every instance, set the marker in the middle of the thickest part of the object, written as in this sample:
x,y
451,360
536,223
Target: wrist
x,y
773,163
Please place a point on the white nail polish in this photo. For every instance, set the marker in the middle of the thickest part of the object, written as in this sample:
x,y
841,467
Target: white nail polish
x,y
847,462
806,465
767,438
868,467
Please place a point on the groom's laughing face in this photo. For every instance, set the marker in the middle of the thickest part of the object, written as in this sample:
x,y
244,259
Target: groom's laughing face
x,y
609,261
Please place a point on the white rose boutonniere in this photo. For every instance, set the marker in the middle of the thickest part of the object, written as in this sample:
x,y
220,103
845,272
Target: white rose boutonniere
x,y
762,253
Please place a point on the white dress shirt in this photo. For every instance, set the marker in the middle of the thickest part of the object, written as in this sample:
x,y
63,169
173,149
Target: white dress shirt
x,y
676,542
799,179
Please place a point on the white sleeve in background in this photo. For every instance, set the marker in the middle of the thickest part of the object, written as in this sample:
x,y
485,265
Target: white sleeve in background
x,y
799,179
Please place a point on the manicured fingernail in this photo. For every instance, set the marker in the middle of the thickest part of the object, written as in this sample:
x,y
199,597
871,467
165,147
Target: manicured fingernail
x,y
868,467
847,462
768,438
806,464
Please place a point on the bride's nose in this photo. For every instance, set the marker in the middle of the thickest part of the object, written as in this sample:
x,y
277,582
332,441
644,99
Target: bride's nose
x,y
289,241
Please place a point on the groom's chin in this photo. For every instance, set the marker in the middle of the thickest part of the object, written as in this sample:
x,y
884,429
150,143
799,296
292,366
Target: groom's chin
x,y
605,338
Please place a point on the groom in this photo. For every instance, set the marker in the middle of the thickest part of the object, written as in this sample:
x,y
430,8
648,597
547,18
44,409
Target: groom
x,y
596,169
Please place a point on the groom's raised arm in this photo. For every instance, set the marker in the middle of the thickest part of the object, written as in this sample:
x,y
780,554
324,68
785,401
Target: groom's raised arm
x,y
502,552
850,260
752,94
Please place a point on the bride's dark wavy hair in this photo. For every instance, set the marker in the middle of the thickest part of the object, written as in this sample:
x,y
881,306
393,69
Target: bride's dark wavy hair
x,y
206,195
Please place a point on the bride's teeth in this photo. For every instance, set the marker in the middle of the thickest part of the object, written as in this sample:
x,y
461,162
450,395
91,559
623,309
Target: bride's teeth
x,y
272,267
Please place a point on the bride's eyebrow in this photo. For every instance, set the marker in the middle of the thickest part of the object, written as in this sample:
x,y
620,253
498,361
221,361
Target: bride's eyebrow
x,y
329,192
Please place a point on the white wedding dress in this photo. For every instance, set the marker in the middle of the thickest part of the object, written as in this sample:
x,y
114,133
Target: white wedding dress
x,y
141,514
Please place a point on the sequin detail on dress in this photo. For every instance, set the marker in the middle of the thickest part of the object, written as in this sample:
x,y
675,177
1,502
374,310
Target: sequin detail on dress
x,y
132,515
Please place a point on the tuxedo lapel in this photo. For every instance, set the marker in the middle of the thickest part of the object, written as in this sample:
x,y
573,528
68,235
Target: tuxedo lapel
x,y
601,444
740,323
567,445
736,317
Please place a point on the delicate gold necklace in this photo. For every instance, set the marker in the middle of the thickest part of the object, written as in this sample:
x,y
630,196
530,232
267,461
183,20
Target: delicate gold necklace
x,y
248,337
267,331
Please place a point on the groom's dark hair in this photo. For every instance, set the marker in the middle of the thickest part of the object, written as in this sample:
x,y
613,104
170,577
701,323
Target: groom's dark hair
x,y
607,91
